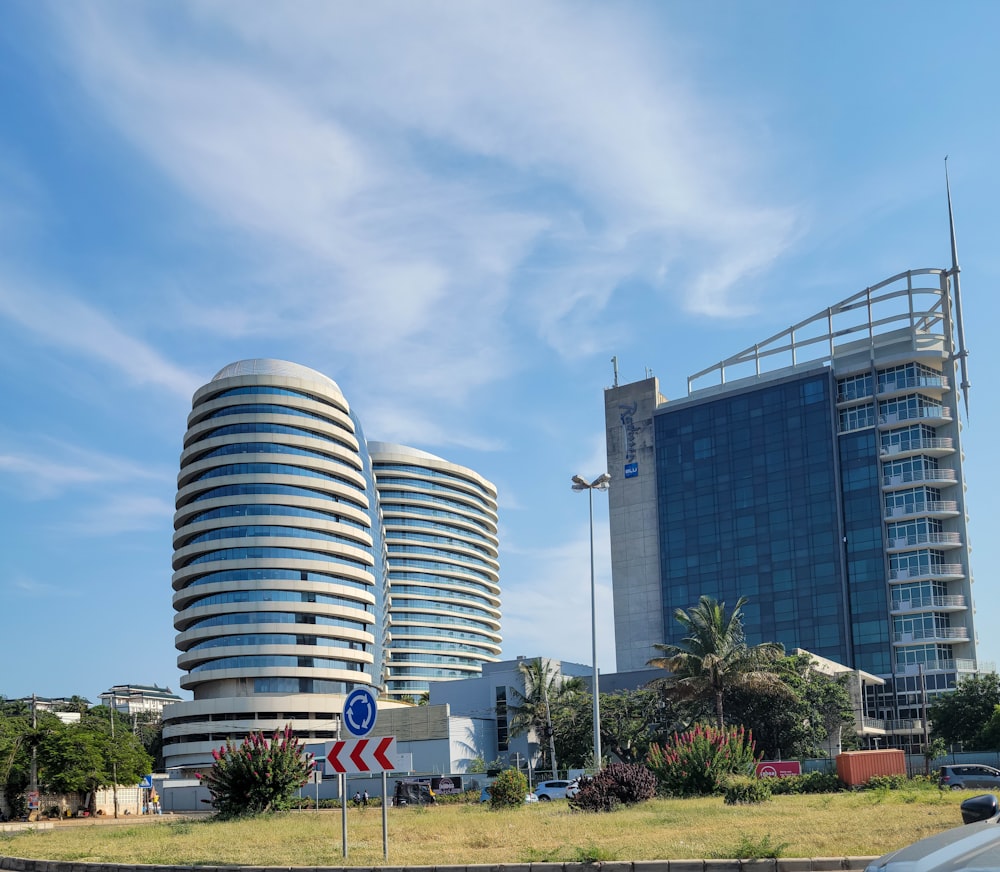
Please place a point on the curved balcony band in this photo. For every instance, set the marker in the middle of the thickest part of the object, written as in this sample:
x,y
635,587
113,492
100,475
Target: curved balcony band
x,y
276,573
928,508
938,571
934,634
441,534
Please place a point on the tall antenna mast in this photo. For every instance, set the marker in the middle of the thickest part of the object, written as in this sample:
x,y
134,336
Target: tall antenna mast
x,y
962,354
614,360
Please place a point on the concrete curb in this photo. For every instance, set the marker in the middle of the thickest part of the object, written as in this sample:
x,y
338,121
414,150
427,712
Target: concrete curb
x,y
791,864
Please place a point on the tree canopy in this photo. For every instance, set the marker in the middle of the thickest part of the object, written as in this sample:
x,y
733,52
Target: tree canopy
x,y
803,716
714,656
72,758
546,693
963,715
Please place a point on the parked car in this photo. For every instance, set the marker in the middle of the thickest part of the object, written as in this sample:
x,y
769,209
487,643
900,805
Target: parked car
x,y
968,776
548,790
573,789
973,847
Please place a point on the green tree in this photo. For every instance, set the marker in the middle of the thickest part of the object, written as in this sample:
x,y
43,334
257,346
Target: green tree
x,y
714,656
16,740
989,736
148,729
85,757
802,716
960,716
546,692
573,731
937,748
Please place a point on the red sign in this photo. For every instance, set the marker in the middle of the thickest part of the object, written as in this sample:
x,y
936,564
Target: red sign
x,y
778,768
357,756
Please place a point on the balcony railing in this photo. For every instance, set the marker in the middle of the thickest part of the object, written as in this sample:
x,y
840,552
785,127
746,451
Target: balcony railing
x,y
920,381
923,507
958,665
925,539
919,634
938,570
921,413
916,475
943,443
928,602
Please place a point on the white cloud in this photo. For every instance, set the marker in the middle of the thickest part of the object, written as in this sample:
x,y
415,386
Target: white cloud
x,y
62,467
125,513
411,160
64,322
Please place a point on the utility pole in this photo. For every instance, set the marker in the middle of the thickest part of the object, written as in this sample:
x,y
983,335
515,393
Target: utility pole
x,y
33,789
114,757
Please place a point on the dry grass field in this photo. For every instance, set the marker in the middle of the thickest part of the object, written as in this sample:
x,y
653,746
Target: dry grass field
x,y
846,824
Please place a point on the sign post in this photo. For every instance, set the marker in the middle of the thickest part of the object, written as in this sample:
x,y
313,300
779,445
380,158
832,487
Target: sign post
x,y
363,755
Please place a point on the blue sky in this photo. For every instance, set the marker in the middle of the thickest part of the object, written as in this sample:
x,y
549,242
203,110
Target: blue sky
x,y
459,212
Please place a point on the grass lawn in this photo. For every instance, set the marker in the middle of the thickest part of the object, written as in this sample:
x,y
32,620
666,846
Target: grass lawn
x,y
828,825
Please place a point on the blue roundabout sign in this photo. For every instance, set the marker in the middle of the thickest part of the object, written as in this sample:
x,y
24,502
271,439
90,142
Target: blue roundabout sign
x,y
360,711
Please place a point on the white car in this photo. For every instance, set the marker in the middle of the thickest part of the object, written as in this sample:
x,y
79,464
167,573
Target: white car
x,y
549,790
484,796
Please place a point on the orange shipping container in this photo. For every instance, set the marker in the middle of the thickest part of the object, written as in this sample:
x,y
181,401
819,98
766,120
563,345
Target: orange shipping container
x,y
858,767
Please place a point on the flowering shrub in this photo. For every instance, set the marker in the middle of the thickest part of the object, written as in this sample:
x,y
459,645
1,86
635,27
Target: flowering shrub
x,y
697,762
257,776
616,784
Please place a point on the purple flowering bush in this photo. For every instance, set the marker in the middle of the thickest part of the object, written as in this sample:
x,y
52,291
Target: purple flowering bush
x,y
259,775
698,762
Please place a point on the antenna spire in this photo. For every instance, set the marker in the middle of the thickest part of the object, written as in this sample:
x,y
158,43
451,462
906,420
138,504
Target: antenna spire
x,y
962,354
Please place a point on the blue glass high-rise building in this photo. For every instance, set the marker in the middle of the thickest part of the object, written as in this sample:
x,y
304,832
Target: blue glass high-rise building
x,y
819,474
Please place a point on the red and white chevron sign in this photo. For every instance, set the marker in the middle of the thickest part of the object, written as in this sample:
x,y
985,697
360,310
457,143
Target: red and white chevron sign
x,y
355,756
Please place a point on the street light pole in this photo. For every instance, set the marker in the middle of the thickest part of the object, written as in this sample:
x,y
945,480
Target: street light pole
x,y
581,484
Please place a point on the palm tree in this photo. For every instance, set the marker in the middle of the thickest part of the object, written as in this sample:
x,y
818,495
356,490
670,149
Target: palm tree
x,y
714,655
545,688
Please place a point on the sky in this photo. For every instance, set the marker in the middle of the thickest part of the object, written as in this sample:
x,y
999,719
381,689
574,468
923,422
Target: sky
x,y
460,212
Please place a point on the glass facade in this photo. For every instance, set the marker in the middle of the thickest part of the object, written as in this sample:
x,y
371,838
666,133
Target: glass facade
x,y
819,474
749,505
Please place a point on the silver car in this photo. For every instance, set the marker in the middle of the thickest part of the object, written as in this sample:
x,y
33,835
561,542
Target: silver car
x,y
968,776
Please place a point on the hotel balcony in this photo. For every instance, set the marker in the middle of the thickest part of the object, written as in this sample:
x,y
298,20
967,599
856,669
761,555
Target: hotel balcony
x,y
941,541
935,477
928,603
932,447
923,414
934,386
934,634
938,571
959,665
924,508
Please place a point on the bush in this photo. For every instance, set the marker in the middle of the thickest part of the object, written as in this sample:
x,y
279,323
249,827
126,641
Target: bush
x,y
616,784
811,782
749,848
258,776
509,789
745,790
697,762
887,782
